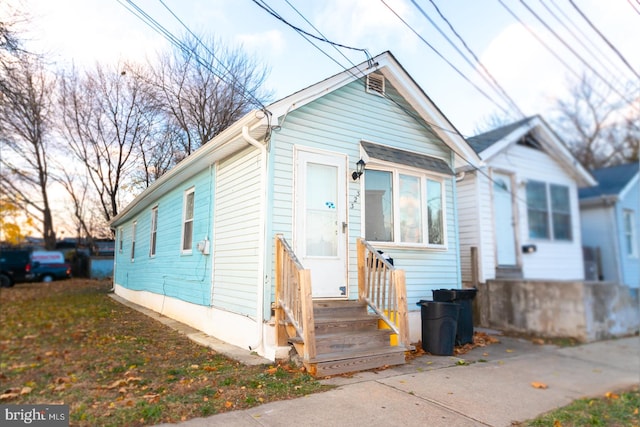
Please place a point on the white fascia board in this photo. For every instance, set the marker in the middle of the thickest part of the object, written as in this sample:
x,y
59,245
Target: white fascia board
x,y
428,111
556,146
222,145
633,181
506,141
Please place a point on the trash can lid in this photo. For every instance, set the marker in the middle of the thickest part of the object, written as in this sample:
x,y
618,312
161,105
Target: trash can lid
x,y
455,294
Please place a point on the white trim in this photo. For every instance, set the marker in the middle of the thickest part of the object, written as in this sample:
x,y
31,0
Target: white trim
x,y
185,195
153,242
633,181
133,240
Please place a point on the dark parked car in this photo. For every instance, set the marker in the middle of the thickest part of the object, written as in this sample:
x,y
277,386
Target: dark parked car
x,y
49,266
16,266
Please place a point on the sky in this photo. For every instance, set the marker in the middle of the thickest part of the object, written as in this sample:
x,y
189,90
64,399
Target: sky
x,y
82,32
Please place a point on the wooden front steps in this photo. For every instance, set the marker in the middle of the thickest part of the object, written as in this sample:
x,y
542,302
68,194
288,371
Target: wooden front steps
x,y
348,339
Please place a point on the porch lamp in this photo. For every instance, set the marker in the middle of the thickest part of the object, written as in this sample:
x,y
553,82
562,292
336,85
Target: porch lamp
x,y
360,164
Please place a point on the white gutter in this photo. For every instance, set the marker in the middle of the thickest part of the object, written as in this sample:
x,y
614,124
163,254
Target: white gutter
x,y
262,239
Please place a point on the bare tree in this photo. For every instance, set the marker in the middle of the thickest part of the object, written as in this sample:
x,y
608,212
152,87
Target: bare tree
x,y
207,87
108,114
599,131
25,131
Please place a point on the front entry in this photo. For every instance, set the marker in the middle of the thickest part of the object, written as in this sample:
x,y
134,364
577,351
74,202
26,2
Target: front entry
x,y
504,220
320,221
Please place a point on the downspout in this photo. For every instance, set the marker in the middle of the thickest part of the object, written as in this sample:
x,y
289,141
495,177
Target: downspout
x,y
259,346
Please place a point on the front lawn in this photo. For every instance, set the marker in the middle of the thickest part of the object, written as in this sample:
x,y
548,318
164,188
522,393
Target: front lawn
x,y
69,343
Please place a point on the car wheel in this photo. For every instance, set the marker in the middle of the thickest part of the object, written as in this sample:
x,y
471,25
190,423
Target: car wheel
x,y
47,278
5,281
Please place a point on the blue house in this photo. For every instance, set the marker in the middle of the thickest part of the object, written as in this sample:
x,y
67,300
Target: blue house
x,y
284,213
611,220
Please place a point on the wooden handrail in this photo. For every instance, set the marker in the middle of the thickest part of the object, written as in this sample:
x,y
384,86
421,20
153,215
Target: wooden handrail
x,y
293,298
383,288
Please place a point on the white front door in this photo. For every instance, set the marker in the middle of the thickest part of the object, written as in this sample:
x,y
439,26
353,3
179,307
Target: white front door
x,y
320,221
504,222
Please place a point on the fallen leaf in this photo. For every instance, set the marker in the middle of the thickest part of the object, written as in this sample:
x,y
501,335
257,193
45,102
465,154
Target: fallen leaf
x,y
509,350
26,390
610,395
536,384
272,370
557,423
228,404
116,384
635,412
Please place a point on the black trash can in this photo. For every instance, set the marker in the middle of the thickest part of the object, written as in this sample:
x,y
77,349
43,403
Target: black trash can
x,y
439,320
464,297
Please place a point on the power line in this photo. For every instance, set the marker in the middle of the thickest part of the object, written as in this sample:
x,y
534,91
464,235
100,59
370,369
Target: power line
x,y
622,58
138,12
577,55
460,73
475,57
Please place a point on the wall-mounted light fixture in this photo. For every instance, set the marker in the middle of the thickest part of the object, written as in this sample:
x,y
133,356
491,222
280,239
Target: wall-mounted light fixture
x,y
529,249
359,169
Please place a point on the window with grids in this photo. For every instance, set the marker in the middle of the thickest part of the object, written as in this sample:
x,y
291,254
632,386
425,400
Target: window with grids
x,y
548,211
133,240
154,231
403,208
187,226
630,239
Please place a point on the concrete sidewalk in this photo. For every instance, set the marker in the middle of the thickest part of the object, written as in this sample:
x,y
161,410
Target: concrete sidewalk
x,y
489,386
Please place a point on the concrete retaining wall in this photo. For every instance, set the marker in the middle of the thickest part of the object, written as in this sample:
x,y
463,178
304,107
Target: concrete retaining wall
x,y
586,311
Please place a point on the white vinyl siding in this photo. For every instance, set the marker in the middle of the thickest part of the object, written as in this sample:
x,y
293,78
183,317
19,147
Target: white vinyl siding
x,y
554,258
237,233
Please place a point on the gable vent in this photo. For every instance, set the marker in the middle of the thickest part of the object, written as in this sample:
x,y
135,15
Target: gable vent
x,y
375,84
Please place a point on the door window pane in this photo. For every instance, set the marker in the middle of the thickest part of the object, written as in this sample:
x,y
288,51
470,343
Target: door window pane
x,y
378,206
321,210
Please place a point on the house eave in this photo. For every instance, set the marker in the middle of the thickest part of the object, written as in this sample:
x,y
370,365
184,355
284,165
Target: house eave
x,y
599,201
221,146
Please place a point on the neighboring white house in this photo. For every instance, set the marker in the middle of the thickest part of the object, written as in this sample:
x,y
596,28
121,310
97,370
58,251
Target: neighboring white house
x,y
610,214
198,244
521,209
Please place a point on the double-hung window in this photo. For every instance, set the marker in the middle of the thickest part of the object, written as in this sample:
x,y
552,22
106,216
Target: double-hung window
x,y
404,208
630,239
548,211
154,231
120,239
133,240
187,222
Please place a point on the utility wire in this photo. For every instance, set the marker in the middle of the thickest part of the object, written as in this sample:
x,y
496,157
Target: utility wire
x,y
134,9
572,50
579,38
460,73
212,54
620,55
475,57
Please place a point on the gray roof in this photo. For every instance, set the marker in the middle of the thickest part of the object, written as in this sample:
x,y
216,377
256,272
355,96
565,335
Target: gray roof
x,y
481,142
611,180
408,158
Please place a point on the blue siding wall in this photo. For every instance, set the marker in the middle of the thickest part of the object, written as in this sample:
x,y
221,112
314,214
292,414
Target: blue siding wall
x,y
338,122
170,272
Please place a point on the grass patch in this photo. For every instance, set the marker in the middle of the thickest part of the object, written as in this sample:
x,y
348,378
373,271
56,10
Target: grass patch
x,y
612,410
69,342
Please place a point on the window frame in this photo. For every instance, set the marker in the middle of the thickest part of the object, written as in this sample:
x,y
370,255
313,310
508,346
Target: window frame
x,y
153,239
134,226
630,233
120,239
187,193
550,211
396,233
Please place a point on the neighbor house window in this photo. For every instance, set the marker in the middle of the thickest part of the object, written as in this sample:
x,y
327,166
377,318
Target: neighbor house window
x,y
630,239
548,211
403,208
187,226
154,231
133,240
120,239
